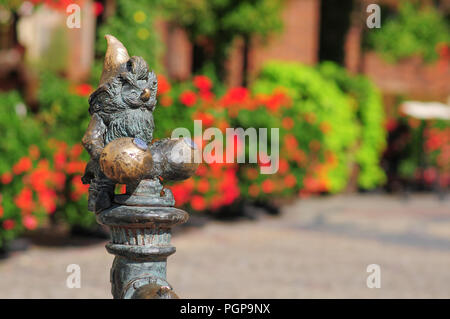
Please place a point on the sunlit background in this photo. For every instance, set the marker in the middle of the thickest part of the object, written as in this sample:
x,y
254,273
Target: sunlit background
x,y
364,121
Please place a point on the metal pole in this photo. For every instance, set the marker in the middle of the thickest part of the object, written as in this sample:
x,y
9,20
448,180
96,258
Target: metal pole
x,y
141,224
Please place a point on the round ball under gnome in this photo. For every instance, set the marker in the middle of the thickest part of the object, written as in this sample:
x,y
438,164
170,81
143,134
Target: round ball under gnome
x,y
126,160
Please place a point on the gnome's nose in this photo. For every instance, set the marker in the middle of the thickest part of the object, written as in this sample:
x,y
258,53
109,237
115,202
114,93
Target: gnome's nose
x,y
145,95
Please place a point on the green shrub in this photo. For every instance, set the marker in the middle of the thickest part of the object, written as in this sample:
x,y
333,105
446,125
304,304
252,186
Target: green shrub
x,y
321,113
370,114
133,23
19,129
220,22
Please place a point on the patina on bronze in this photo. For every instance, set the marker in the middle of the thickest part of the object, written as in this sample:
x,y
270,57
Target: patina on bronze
x,y
119,139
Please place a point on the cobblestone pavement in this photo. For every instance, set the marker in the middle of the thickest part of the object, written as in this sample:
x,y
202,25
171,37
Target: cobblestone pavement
x,y
317,248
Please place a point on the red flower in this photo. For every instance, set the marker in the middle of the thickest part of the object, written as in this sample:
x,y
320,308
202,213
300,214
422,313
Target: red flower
x,y
198,202
235,96
34,152
325,127
229,185
311,184
75,167
252,173
391,124
206,118
310,118
182,191
163,84
24,200
314,145
276,100
283,166
166,100
83,89
1,211
268,186
59,179
206,96
429,175
188,98
47,199
23,165
435,140
6,178
290,181
288,123
253,190
203,185
30,222
79,188
8,224
98,8
76,151
290,141
201,170
203,83
39,178
59,159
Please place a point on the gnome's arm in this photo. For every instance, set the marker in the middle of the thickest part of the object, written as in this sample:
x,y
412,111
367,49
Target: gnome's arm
x,y
93,139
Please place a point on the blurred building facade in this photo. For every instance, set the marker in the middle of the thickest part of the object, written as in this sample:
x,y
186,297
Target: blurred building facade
x,y
314,31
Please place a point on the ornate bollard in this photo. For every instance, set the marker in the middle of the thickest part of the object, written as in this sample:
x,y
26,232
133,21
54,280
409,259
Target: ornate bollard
x,y
140,239
119,140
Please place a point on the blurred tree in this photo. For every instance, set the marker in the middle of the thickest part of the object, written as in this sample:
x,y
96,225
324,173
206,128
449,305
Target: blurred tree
x,y
132,22
417,29
212,25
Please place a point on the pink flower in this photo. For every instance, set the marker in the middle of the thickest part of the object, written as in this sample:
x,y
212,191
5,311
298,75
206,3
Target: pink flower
x,y
30,222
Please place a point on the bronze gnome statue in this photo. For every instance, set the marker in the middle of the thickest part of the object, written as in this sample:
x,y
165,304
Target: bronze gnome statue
x,y
119,139
122,107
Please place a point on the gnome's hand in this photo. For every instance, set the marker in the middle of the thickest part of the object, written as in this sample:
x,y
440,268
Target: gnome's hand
x,y
93,140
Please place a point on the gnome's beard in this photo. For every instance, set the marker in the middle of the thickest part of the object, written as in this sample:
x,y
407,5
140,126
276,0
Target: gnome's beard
x,y
131,123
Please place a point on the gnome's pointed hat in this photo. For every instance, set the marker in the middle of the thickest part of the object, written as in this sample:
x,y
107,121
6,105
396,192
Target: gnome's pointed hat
x,y
116,54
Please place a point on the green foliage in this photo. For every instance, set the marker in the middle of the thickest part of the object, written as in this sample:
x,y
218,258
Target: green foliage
x,y
321,112
212,17
219,22
414,31
19,130
133,25
63,112
370,114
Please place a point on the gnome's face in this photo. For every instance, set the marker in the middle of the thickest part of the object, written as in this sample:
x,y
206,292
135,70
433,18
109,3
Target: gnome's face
x,y
128,79
138,84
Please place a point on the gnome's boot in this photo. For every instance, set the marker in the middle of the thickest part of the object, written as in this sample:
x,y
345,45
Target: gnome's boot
x,y
101,194
92,198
